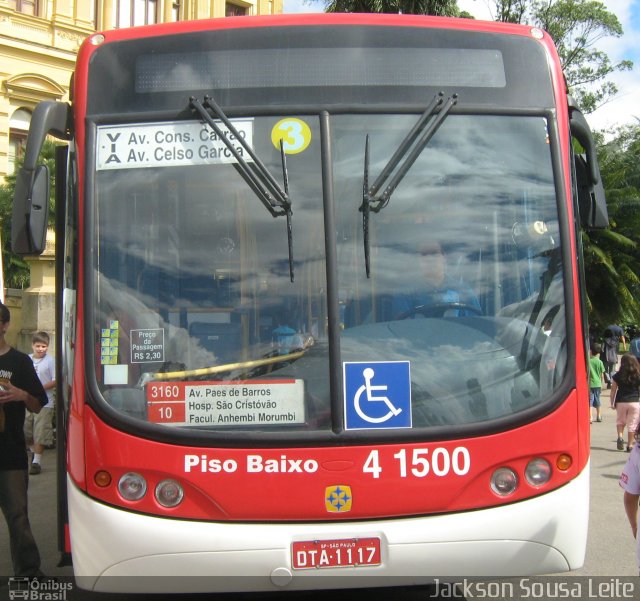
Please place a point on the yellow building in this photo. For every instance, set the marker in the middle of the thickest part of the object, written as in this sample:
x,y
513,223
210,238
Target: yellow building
x,y
39,40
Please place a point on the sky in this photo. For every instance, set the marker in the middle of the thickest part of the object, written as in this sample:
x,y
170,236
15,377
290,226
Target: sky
x,y
625,107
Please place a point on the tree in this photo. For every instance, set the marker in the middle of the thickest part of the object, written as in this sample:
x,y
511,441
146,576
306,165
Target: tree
x,y
613,256
16,270
576,27
442,8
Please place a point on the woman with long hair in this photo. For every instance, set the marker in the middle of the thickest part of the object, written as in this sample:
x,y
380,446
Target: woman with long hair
x,y
625,397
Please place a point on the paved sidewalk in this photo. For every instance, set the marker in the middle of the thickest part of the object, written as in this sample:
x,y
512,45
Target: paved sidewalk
x,y
42,515
611,547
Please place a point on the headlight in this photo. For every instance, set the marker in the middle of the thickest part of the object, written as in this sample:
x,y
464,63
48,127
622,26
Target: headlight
x,y
132,486
538,472
504,481
169,493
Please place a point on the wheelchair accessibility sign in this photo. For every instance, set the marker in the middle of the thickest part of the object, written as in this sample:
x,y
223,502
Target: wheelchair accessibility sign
x,y
377,395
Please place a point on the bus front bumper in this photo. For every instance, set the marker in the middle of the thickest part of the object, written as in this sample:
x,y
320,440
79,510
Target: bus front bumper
x,y
120,551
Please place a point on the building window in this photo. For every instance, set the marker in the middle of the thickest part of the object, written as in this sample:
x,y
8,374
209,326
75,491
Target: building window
x,y
28,7
233,10
17,146
18,129
129,13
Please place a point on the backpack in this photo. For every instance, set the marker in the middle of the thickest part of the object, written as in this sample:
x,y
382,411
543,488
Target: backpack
x,y
634,347
611,349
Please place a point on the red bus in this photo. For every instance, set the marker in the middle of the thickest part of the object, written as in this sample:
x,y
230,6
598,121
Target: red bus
x,y
321,321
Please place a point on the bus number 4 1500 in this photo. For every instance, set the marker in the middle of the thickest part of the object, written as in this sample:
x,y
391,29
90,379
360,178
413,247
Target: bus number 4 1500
x,y
422,462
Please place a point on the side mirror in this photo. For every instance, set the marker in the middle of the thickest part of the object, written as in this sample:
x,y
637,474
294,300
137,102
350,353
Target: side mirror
x,y
592,204
30,211
31,198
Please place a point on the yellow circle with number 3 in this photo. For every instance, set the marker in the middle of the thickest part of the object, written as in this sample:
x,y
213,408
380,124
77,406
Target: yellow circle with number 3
x,y
294,133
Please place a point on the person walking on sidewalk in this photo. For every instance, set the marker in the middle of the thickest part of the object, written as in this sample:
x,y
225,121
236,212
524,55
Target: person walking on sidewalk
x,y
38,428
20,390
625,398
596,379
612,337
630,483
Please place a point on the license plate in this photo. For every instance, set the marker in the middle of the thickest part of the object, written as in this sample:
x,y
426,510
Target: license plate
x,y
337,553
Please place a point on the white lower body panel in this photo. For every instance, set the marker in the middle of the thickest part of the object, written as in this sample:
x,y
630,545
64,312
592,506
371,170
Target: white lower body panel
x,y
120,551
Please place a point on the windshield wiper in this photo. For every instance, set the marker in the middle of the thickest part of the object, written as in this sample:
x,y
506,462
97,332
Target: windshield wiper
x,y
255,174
403,158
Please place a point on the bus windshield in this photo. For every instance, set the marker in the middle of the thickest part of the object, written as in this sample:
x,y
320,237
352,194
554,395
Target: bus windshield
x,y
461,320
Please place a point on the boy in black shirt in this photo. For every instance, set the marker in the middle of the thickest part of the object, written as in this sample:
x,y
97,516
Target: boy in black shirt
x,y
20,389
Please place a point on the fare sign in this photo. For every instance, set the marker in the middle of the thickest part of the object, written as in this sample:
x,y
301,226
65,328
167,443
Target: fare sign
x,y
337,553
147,346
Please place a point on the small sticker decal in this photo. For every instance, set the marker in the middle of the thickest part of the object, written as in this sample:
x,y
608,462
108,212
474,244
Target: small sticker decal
x,y
109,343
294,133
337,499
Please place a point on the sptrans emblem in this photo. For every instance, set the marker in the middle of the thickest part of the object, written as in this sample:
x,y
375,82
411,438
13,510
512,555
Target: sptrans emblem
x,y
338,498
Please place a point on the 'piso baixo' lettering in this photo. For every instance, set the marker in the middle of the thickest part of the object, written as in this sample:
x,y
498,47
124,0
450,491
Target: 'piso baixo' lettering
x,y
254,464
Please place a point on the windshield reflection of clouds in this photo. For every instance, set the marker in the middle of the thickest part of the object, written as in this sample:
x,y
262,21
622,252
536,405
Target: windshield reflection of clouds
x,y
451,364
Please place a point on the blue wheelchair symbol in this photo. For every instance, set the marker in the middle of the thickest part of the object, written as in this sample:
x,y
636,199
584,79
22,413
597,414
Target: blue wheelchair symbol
x,y
377,395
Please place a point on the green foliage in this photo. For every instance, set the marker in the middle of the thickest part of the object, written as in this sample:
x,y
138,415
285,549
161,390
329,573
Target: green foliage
x,y
612,257
16,271
443,8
